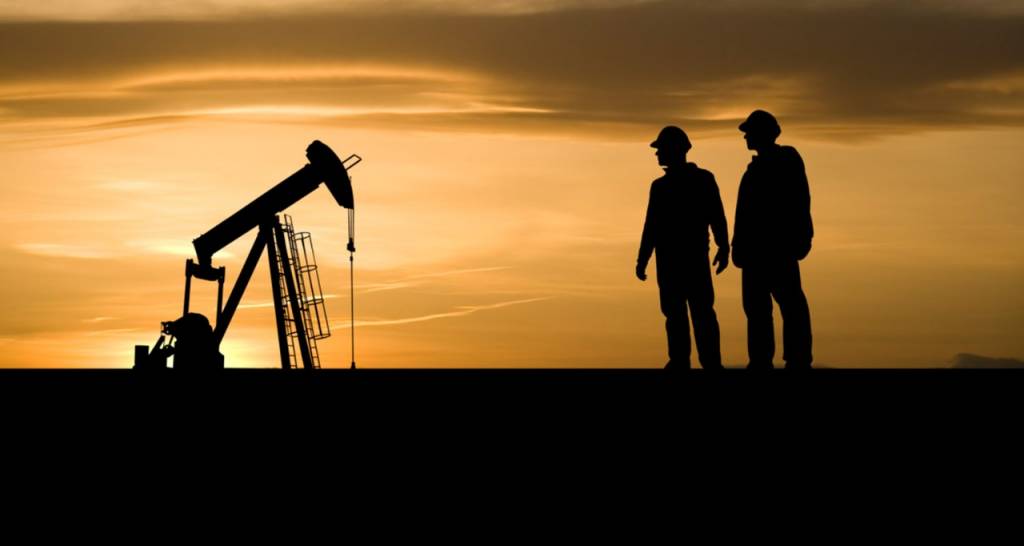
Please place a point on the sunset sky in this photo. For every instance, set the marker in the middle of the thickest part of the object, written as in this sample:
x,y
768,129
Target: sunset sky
x,y
506,170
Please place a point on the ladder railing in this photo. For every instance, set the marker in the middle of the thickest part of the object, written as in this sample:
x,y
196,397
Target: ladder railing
x,y
308,291
289,321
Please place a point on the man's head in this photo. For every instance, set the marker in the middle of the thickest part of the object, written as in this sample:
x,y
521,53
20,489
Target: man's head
x,y
760,130
671,146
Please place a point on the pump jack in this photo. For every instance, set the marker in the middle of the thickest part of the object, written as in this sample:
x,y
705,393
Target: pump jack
x,y
190,339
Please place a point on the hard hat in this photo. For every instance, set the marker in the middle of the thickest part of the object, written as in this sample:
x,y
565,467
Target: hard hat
x,y
672,136
760,121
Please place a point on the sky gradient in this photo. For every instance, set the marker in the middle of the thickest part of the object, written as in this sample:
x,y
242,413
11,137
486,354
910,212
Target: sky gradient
x,y
506,170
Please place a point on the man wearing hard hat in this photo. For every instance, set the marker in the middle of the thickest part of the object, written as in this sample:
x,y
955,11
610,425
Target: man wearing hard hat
x,y
683,204
771,234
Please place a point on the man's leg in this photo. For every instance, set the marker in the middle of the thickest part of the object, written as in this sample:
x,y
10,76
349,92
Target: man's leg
x,y
757,305
701,298
677,325
796,316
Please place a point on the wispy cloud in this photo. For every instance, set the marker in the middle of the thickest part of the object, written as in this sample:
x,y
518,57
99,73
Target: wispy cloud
x,y
171,247
417,280
130,186
407,282
58,250
135,10
86,252
112,332
840,69
460,311
268,304
142,10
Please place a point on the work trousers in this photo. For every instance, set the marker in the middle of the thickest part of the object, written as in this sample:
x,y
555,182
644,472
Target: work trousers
x,y
781,281
686,283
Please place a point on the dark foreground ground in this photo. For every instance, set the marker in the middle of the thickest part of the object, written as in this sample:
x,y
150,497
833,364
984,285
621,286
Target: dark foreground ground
x,y
638,426
512,394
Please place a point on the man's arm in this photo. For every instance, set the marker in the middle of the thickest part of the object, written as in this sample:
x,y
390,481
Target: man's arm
x,y
646,239
738,231
803,227
719,227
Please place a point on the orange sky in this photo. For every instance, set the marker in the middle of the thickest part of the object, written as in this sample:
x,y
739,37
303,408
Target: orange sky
x,y
506,170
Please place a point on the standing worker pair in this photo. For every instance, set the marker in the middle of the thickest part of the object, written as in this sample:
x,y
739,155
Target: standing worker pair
x,y
773,232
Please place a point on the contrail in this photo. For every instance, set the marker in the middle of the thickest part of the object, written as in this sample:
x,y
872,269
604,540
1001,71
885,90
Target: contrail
x,y
461,312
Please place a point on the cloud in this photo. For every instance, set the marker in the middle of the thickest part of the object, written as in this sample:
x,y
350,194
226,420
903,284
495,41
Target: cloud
x,y
95,320
460,311
133,10
56,250
130,248
112,332
130,186
972,361
170,247
407,282
178,10
417,280
914,6
837,69
269,304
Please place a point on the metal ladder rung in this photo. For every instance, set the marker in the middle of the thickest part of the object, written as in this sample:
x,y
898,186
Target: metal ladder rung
x,y
312,309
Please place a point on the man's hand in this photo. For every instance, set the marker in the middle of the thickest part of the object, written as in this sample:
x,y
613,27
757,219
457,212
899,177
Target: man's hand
x,y
641,271
721,260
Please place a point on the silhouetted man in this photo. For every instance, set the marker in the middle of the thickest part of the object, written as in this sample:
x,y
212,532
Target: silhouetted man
x,y
772,233
682,205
